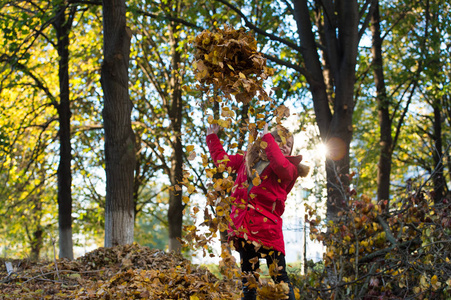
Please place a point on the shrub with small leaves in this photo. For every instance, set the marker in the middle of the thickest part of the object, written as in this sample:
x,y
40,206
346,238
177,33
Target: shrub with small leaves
x,y
387,250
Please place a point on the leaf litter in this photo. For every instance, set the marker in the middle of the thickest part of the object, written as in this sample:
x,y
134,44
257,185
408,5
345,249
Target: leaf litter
x,y
121,272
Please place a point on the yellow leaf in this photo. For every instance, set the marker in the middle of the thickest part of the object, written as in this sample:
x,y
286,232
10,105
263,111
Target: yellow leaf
x,y
221,168
223,226
189,148
241,75
217,184
434,279
223,123
330,254
201,66
209,174
256,181
185,199
205,41
424,282
220,211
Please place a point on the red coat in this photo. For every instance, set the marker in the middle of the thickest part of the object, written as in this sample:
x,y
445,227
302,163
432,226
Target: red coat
x,y
259,218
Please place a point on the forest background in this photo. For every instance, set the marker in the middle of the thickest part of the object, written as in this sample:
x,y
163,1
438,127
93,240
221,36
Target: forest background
x,y
91,88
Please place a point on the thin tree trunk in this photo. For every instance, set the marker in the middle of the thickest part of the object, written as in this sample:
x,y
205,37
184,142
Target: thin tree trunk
x,y
438,178
37,236
175,211
63,27
176,206
119,136
447,117
385,123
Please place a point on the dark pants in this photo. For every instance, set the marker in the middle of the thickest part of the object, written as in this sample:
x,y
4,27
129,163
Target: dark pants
x,y
249,265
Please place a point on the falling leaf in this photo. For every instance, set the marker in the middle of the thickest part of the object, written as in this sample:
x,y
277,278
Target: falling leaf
x,y
191,189
192,155
256,181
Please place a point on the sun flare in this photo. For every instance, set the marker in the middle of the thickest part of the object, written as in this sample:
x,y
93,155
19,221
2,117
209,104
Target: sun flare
x,y
321,151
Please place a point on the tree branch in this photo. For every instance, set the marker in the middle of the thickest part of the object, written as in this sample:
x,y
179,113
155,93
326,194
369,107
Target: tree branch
x,y
252,26
287,64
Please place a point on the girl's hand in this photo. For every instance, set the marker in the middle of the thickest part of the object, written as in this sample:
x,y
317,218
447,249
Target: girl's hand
x,y
265,129
213,128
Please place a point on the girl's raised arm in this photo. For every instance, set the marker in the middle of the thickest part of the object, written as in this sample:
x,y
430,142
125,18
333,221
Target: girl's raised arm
x,y
284,169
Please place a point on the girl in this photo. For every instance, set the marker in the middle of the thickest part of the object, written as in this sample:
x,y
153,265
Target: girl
x,y
264,178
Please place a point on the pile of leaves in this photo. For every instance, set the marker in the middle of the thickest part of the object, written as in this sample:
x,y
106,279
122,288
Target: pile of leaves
x,y
122,272
227,61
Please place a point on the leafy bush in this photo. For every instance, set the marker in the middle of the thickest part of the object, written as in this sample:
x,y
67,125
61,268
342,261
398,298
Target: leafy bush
x,y
388,250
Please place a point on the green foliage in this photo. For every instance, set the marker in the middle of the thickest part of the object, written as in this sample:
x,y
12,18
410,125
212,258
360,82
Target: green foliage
x,y
415,60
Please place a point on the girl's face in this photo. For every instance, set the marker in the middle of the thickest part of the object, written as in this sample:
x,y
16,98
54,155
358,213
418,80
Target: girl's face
x,y
287,147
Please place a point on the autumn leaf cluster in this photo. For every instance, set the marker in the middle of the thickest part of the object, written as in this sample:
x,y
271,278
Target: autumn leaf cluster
x,y
227,60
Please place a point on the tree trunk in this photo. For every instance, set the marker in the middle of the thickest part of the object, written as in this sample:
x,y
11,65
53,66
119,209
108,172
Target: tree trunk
x,y
119,136
446,99
385,123
338,140
37,236
340,55
63,27
175,211
438,176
